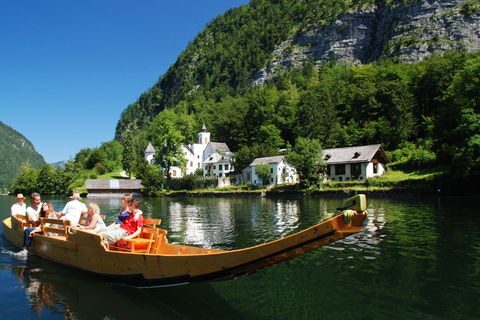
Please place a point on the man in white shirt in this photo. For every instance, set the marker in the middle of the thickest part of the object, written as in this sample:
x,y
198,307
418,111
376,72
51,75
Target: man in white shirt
x,y
19,207
74,209
33,210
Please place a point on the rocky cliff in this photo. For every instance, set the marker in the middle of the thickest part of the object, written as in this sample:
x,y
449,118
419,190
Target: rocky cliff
x,y
410,33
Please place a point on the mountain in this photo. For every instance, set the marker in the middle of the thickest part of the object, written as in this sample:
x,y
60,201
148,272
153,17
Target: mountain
x,y
251,44
16,151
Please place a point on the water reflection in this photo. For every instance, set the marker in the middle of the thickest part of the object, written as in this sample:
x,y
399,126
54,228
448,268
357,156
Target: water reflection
x,y
54,290
415,259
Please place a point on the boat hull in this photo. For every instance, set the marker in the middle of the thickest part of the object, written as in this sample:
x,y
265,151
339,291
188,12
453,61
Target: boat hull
x,y
177,264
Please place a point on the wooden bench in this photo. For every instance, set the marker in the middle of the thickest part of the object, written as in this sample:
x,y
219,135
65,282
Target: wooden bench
x,y
83,218
149,239
57,226
24,222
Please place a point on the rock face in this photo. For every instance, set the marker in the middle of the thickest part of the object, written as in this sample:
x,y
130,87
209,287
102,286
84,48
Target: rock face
x,y
410,33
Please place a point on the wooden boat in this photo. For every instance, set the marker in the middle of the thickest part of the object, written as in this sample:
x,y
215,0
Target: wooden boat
x,y
163,264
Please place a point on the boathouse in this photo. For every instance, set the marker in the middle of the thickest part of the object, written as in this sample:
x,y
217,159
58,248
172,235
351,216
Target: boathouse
x,y
113,188
355,163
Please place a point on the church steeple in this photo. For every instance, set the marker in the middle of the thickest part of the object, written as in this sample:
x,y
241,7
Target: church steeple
x,y
204,136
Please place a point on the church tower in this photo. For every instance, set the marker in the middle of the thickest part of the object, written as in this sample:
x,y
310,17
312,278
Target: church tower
x,y
204,136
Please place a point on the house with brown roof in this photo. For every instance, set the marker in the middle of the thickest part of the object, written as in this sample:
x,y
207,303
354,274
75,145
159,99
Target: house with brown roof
x,y
355,163
100,188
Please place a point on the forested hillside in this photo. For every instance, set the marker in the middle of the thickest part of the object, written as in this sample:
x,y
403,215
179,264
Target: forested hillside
x,y
422,112
405,74
16,151
254,43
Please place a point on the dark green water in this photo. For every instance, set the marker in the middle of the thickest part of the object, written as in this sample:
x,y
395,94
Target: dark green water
x,y
418,258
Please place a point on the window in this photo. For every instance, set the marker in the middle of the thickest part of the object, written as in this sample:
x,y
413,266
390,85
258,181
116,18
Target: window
x,y
199,165
226,167
271,170
339,169
214,167
191,163
375,168
174,173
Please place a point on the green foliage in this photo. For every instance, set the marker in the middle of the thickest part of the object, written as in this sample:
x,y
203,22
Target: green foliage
x,y
263,172
97,156
307,158
413,156
114,155
128,159
226,54
189,182
47,180
245,156
470,8
167,140
16,152
26,182
152,179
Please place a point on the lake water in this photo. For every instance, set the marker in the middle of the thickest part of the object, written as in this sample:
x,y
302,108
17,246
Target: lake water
x,y
417,258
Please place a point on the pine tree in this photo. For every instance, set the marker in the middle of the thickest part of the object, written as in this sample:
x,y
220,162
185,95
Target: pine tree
x,y
128,161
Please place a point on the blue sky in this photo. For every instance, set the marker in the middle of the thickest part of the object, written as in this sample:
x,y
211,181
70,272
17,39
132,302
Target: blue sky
x,y
69,68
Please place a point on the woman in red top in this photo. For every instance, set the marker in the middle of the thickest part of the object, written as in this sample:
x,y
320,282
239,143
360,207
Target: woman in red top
x,y
130,228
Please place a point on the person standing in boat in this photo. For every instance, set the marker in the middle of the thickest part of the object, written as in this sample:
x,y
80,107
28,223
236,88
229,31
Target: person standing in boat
x,y
93,219
129,228
19,207
34,208
74,209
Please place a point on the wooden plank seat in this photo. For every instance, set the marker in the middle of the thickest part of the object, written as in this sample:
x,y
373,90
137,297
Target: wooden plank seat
x,y
149,239
55,226
24,222
84,218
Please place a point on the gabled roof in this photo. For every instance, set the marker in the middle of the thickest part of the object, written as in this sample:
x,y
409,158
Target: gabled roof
x,y
129,184
216,158
186,146
267,160
150,148
358,154
219,146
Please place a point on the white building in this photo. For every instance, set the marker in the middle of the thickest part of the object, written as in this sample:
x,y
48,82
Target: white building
x,y
280,171
355,163
150,153
214,158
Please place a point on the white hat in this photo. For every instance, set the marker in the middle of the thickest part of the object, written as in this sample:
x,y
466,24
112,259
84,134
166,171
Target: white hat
x,y
75,195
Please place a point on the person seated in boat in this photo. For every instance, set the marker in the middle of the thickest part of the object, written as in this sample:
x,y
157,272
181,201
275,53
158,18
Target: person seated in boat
x,y
129,228
34,208
74,209
93,219
19,207
124,211
46,211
